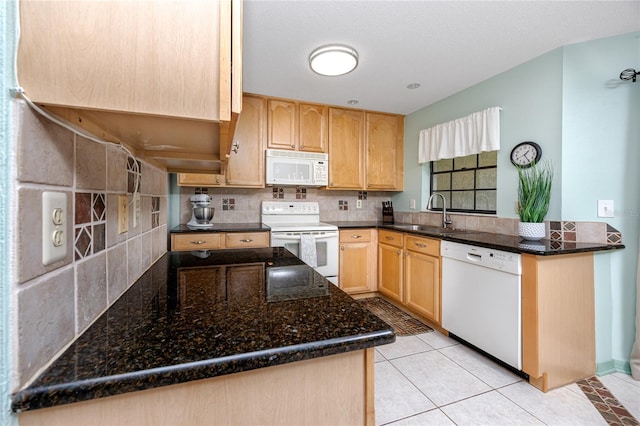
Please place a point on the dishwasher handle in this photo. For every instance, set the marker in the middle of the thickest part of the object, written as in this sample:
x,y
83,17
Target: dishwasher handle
x,y
474,257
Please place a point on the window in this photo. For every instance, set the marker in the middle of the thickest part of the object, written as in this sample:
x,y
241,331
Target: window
x,y
467,183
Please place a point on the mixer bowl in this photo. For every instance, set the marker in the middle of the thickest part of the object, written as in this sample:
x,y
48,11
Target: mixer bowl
x,y
203,215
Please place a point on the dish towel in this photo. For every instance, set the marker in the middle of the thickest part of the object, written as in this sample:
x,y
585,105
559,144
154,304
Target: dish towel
x,y
308,250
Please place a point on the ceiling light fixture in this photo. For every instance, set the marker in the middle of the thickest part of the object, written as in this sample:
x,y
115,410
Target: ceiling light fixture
x,y
352,102
413,85
333,60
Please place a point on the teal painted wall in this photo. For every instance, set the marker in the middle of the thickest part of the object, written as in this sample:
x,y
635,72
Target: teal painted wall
x,y
530,96
600,157
7,80
587,121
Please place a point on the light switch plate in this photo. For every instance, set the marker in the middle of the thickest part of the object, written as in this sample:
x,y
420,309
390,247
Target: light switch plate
x,y
54,223
605,208
123,214
136,209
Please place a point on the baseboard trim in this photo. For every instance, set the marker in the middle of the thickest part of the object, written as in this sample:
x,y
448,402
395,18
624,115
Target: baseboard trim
x,y
613,366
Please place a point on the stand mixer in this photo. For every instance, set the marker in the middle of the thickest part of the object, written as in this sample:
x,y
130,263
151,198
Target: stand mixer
x,y
202,214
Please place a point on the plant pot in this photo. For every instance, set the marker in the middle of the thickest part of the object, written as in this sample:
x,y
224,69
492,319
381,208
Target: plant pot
x,y
531,231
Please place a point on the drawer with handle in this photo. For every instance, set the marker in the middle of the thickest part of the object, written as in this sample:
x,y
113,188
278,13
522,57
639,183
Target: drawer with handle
x,y
422,245
196,241
390,237
246,239
355,236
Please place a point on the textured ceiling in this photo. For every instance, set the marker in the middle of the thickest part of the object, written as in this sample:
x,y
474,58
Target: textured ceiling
x,y
446,46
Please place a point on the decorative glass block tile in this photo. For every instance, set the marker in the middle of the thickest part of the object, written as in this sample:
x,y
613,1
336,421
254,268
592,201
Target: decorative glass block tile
x,y
569,236
362,195
614,238
155,219
199,190
555,226
301,193
99,210
83,208
155,204
82,242
555,245
568,226
555,235
98,238
343,205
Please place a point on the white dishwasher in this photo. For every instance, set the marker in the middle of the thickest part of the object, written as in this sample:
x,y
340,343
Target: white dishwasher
x,y
481,299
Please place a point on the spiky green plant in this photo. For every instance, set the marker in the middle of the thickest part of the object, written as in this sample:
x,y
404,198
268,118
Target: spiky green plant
x,y
534,192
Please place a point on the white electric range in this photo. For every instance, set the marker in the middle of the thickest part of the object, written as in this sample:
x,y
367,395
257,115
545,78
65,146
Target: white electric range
x,y
290,220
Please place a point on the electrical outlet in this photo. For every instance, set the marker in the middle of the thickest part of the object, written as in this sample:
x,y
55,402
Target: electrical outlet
x,y
54,238
605,208
123,214
136,209
412,204
358,204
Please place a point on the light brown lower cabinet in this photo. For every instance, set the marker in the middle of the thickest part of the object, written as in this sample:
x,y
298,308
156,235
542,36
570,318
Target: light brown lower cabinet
x,y
358,260
558,319
218,240
409,272
332,390
390,260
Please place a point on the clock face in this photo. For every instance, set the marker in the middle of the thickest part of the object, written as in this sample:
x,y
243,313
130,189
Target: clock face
x,y
525,154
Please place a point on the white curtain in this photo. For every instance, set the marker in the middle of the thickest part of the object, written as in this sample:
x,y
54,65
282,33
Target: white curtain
x,y
473,134
635,352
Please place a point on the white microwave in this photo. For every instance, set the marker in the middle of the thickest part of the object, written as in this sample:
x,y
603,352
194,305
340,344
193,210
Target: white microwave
x,y
296,168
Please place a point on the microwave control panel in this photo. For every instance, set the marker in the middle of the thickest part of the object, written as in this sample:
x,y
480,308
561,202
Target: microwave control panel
x,y
320,171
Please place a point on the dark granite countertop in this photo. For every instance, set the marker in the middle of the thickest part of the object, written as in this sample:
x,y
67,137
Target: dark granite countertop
x,y
223,227
195,315
504,242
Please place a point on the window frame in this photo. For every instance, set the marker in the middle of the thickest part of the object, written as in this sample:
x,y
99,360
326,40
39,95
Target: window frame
x,y
448,193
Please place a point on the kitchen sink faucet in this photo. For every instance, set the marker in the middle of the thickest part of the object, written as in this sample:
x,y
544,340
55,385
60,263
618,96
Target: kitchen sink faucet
x,y
445,221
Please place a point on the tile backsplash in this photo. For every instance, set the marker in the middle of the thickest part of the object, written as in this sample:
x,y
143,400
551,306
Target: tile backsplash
x,y
53,304
237,205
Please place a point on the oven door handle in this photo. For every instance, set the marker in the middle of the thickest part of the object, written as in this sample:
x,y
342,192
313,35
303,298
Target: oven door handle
x,y
297,237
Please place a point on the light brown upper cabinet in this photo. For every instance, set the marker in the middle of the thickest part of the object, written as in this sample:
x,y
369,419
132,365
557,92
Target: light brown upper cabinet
x,y
365,150
313,121
296,126
246,160
385,156
165,78
346,148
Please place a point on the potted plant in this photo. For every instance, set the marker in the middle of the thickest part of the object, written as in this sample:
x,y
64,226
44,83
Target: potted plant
x,y
534,195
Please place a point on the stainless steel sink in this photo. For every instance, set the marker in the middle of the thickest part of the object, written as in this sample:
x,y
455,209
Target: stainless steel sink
x,y
428,229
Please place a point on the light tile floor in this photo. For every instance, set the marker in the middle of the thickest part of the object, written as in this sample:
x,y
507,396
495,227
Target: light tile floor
x,y
429,379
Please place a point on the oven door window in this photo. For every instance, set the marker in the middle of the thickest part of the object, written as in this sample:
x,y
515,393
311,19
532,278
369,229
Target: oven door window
x,y
321,250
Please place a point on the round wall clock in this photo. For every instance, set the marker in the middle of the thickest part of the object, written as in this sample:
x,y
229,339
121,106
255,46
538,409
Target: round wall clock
x,y
525,154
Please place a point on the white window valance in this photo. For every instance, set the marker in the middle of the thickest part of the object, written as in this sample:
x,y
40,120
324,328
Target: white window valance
x,y
473,134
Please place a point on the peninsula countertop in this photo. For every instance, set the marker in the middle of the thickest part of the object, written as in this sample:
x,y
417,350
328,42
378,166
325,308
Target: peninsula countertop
x,y
196,315
511,243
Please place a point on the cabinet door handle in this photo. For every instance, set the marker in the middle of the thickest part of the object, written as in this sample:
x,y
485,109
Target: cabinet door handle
x,y
248,240
356,236
399,252
301,146
421,245
389,238
342,248
198,242
406,253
